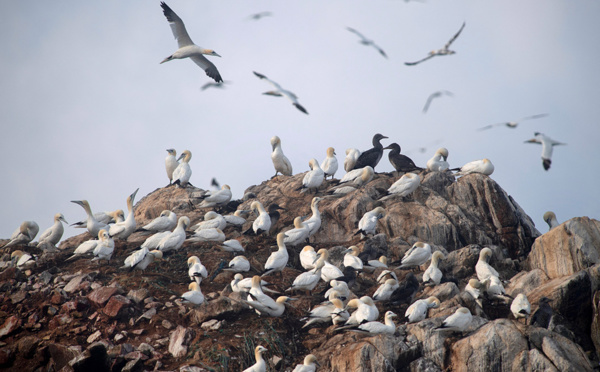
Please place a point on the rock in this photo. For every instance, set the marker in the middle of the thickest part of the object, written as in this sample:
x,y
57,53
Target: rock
x,y
562,352
45,277
27,346
94,359
74,283
443,291
168,325
526,282
220,308
179,341
424,365
7,355
136,365
146,349
147,315
100,296
116,306
460,264
12,273
212,325
10,325
18,296
94,337
137,295
61,355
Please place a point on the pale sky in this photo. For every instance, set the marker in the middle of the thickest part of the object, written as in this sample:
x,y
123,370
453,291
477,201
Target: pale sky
x,y
87,111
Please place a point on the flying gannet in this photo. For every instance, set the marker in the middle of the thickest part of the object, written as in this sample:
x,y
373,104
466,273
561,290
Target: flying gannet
x,y
551,220
457,322
372,156
309,365
194,295
280,161
166,221
364,41
438,163
400,162
417,255
368,222
183,172
141,258
279,92
122,230
216,198
187,48
196,271
352,156
434,95
433,275
278,259
92,224
405,185
261,364
53,234
440,52
547,147
171,163
513,124
330,164
418,310
175,240
313,178
483,166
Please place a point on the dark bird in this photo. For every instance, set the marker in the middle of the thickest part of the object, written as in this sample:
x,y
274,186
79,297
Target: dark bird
x,y
371,157
258,16
364,41
215,183
440,52
187,48
514,124
401,163
547,147
406,291
434,95
542,316
279,92
274,213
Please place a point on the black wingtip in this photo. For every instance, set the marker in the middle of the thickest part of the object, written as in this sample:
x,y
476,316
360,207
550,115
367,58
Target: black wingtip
x,y
299,107
259,75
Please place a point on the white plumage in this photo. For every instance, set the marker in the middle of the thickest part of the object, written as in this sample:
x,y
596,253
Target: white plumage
x,y
438,163
232,245
352,156
141,258
92,224
298,234
417,255
351,258
262,223
418,310
433,274
376,328
330,164
175,240
313,178
384,291
366,311
308,256
483,166
194,295
280,161
212,220
309,365
238,264
368,222
208,235
183,172
54,233
260,365
457,322
152,241
278,259
483,269
171,163
520,307
104,249
166,221
122,230
314,222
217,198
196,271
329,271
405,185
547,147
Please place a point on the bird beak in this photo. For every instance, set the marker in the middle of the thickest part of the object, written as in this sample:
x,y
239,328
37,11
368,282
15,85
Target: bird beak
x,y
215,54
77,202
388,147
63,219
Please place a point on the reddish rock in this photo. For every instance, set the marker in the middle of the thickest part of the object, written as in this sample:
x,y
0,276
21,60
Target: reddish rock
x,y
61,355
179,340
12,273
73,285
100,296
135,355
27,346
116,306
6,356
10,325
56,299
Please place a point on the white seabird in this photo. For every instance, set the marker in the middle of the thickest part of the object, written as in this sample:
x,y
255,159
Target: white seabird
x,y
339,315
308,256
384,291
330,164
351,258
280,92
551,220
187,48
280,161
438,163
329,271
457,322
354,180
495,290
175,240
366,311
104,218
373,264
183,172
299,234
122,230
208,235
309,365
482,268
154,240
166,221
440,52
212,220
194,295
141,258
232,245
235,219
196,271
261,364
238,264
20,258
405,185
308,280
53,234
171,163
368,222
377,328
89,245
474,288
217,198
418,310
433,275
520,307
483,166
313,178
352,156
547,147
239,284
278,259
314,222
384,274
105,248
340,287
364,41
271,308
92,224
433,96
513,124
322,313
417,255
262,223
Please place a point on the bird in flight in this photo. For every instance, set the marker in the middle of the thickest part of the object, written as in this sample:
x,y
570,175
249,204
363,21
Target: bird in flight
x,y
364,41
258,16
513,124
440,52
187,48
211,84
279,92
547,146
437,94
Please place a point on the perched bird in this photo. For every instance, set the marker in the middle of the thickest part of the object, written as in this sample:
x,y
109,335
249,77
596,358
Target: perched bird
x,y
92,224
483,166
322,313
474,287
183,172
547,147
308,280
238,264
208,235
279,92
366,311
377,328
351,158
418,310
364,41
278,259
261,364
262,223
274,214
482,268
457,322
20,258
89,245
308,256
551,220
400,162
196,271
434,95
495,290
374,264
280,161
417,255
232,245
166,221
330,164
122,230
236,219
385,275
187,48
175,240
368,222
542,316
339,315
106,247
313,178
141,258
239,284
339,287
384,291
314,222
440,52
271,308
372,156
351,258
363,176
329,271
520,307
216,198
405,185
212,220
433,275
406,290
310,364
194,295
299,234
171,163
103,218
53,234
438,163
513,124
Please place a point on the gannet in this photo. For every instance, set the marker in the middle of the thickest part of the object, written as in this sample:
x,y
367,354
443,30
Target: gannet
x,y
259,15
364,41
238,264
308,256
235,219
438,162
171,163
513,124
405,185
212,220
351,258
495,290
196,271
551,220
187,48
216,198
322,313
483,166
457,322
543,315
383,276
352,155
377,328
53,234
433,275
93,225
310,364
418,310
314,222
434,95
20,258
384,292
482,268
239,284
208,235
141,258
440,52
103,218
278,259
280,161
373,264
313,178
122,230
194,295
299,234
183,172
365,175
368,222
547,147
232,245
271,308
520,307
339,315
474,288
260,365
262,223
104,249
24,234
417,255
308,280
166,221
400,162
340,287
372,156
330,164
279,92
366,311
329,271
154,240
175,240
89,245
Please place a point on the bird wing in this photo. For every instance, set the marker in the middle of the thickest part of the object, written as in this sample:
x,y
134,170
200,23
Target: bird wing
x,y
357,33
45,234
455,36
208,67
136,257
177,26
263,77
419,61
380,50
429,99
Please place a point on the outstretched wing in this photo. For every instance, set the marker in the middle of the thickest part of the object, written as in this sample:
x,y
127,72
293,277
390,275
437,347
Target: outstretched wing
x,y
177,26
208,67
419,61
455,36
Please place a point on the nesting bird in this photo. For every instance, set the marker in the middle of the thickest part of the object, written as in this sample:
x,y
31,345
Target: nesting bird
x,y
104,249
20,259
194,295
313,178
141,258
439,163
547,147
418,310
329,271
314,222
457,322
175,240
216,198
166,221
433,275
351,258
483,166
482,268
262,223
212,220
368,223
366,311
520,306
208,235
309,365
278,259
417,255
280,161
354,180
351,158
171,163
543,315
196,271
308,256
384,291
299,234
232,245
405,185
122,230
238,264
377,328
92,224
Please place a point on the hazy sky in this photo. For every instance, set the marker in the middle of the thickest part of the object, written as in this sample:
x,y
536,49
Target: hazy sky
x,y
87,111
